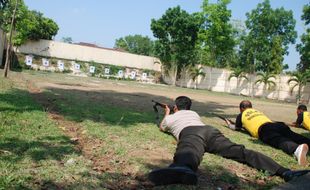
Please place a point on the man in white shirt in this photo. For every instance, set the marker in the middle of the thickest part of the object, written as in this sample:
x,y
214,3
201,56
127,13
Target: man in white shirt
x,y
195,138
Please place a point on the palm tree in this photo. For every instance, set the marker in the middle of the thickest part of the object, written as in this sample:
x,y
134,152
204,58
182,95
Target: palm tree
x,y
265,78
300,80
195,73
239,74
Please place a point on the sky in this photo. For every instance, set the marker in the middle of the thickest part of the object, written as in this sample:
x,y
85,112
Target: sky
x,y
101,22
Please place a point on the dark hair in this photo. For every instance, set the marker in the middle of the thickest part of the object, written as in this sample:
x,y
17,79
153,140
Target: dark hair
x,y
183,103
302,107
245,104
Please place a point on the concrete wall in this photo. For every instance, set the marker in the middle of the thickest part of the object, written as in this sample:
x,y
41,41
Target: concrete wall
x,y
62,50
217,80
2,44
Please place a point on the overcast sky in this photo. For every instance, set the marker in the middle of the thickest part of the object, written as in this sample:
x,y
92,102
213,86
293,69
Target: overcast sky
x,y
103,21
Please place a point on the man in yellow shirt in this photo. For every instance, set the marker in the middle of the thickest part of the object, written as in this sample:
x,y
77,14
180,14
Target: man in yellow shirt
x,y
303,118
275,134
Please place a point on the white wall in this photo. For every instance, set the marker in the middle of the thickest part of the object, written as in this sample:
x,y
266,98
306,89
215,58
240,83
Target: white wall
x,y
217,80
2,44
47,48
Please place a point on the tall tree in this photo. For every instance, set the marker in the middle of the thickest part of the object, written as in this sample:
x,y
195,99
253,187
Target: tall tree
x,y
217,33
304,47
20,25
137,44
269,29
177,33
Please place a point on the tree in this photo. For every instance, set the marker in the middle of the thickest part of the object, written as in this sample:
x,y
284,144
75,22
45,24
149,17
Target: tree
x,y
265,78
304,47
195,73
136,44
20,25
217,33
239,74
177,33
67,40
299,79
34,26
270,30
7,63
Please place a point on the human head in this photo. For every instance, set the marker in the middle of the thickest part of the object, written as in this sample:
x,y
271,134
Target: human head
x,y
245,104
183,103
301,108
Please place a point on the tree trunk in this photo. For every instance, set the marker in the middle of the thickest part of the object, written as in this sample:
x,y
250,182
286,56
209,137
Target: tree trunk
x,y
8,49
210,79
175,75
299,94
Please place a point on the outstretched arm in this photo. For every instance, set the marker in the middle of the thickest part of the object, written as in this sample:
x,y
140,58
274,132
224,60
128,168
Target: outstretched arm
x,y
237,126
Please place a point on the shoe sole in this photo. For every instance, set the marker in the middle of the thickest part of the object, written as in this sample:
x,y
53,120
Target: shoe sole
x,y
168,176
303,156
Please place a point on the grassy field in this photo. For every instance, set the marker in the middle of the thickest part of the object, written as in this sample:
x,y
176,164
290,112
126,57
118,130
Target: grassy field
x,y
66,132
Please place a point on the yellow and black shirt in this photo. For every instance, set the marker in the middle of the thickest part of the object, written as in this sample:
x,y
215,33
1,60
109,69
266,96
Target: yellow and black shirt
x,y
251,120
303,120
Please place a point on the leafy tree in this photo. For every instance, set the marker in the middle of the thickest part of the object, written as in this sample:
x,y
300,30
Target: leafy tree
x,y
217,33
239,74
67,40
195,73
299,79
177,33
28,25
20,24
136,44
304,47
266,79
269,30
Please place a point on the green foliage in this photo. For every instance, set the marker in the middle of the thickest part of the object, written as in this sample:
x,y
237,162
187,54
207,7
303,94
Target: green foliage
x,y
114,69
304,47
177,33
265,78
264,38
300,80
238,73
29,25
136,44
217,33
195,73
67,40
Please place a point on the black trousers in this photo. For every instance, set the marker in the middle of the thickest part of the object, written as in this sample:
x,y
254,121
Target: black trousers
x,y
194,141
279,135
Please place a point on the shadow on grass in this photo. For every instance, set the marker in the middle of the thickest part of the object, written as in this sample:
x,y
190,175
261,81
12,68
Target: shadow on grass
x,y
54,148
111,107
215,177
18,101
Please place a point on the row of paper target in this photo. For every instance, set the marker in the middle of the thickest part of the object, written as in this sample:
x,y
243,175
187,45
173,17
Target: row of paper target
x,y
77,67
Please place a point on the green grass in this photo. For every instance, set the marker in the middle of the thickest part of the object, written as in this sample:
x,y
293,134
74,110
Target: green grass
x,y
34,151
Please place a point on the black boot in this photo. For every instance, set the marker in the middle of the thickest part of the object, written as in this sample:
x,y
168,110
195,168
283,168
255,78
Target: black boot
x,y
173,175
290,175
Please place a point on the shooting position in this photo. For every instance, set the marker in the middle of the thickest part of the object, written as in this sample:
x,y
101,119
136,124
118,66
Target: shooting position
x,y
275,134
303,118
195,138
